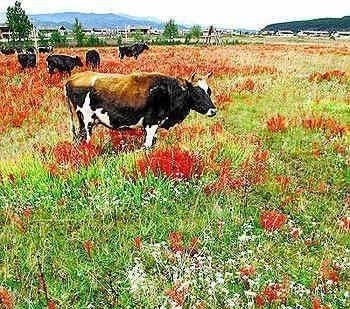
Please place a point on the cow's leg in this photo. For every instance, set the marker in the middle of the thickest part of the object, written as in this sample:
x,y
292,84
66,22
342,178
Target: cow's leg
x,y
82,136
86,119
151,131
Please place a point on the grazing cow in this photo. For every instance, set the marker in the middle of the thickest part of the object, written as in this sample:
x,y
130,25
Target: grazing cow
x,y
27,60
8,51
62,63
31,50
93,59
148,100
45,49
133,50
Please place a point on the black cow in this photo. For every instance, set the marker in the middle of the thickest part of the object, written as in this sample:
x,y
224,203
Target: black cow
x,y
63,63
8,51
148,100
93,59
27,60
45,49
31,50
133,50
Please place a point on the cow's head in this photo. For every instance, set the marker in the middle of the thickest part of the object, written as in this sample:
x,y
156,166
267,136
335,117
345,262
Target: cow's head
x,y
199,95
144,46
78,61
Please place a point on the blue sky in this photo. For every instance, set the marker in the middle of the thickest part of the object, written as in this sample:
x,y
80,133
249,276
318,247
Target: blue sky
x,y
251,14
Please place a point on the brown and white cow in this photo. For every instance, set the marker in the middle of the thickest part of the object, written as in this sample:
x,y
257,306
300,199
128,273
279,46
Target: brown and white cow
x,y
148,100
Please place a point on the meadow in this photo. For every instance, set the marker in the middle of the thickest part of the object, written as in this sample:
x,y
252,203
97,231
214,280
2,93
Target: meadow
x,y
250,209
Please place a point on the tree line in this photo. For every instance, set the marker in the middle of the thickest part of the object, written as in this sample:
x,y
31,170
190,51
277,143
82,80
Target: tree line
x,y
21,29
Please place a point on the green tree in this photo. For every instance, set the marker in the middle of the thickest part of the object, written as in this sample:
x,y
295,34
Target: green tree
x,y
171,30
19,23
94,40
43,41
78,33
138,36
196,32
57,39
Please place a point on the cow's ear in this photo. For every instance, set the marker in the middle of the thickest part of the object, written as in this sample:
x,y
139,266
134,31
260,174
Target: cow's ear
x,y
192,77
210,74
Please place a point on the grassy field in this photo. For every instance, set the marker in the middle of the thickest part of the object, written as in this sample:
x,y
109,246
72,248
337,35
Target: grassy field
x,y
250,209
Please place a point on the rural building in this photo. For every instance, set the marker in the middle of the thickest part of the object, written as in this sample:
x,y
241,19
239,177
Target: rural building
x,y
48,31
342,34
312,33
267,32
4,32
286,33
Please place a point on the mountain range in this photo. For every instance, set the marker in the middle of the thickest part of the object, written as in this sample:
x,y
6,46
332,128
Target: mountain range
x,y
321,24
92,20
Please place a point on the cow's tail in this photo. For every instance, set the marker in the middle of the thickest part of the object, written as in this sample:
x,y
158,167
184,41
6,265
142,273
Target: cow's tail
x,y
71,111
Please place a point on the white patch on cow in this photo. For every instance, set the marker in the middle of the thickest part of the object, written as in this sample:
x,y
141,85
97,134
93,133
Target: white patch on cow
x,y
103,117
152,89
203,84
87,115
211,112
150,133
163,121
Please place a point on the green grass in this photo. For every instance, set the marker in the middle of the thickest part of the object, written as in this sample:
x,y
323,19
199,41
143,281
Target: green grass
x,y
66,211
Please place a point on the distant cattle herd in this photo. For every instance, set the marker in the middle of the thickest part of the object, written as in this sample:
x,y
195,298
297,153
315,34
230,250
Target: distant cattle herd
x,y
27,58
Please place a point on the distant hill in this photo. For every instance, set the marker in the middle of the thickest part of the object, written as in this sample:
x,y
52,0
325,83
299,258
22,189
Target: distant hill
x,y
321,24
92,20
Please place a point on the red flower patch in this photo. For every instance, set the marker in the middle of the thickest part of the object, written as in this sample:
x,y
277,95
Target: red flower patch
x,y
126,140
329,124
276,124
75,156
328,76
173,163
5,299
272,220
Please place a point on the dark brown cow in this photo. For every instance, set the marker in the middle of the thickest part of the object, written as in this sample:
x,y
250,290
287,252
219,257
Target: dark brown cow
x,y
148,100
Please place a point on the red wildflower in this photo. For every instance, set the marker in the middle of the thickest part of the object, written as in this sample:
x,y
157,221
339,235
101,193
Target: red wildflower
x,y
274,292
272,220
27,212
5,299
88,246
177,294
259,301
173,163
276,124
247,271
283,181
176,241
138,243
51,305
316,304
329,273
247,85
344,223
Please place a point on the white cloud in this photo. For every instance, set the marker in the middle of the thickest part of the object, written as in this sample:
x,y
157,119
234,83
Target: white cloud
x,y
248,14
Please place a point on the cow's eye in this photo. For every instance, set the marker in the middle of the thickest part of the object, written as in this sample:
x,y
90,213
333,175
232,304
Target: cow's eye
x,y
209,92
